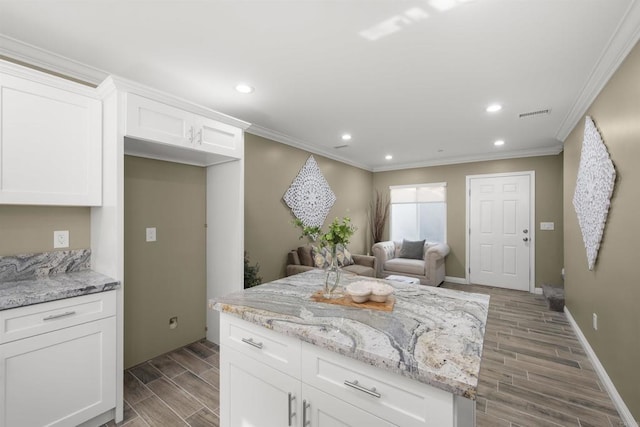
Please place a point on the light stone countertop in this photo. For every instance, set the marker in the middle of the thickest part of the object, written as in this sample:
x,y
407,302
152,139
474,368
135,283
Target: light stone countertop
x,y
19,293
433,335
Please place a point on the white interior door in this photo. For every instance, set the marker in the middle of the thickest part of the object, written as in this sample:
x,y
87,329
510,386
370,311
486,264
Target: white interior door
x,y
500,236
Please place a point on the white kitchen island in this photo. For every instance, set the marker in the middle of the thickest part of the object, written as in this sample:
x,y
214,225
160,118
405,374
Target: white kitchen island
x,y
287,360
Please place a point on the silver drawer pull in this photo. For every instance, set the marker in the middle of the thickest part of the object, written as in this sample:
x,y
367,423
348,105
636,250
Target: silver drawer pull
x,y
305,406
57,316
250,341
354,384
291,414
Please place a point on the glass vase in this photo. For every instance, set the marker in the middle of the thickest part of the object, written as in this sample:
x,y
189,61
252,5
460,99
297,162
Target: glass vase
x,y
332,287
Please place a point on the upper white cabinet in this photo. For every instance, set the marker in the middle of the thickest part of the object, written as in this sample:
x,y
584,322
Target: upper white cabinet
x,y
171,130
50,140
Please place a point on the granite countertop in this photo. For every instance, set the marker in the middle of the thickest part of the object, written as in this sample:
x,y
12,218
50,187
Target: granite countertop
x,y
66,285
433,335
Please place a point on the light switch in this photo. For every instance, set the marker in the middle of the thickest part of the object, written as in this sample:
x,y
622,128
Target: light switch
x,y
547,226
151,234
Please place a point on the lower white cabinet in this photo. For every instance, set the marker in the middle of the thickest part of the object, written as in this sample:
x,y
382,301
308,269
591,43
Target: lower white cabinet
x,y
263,384
256,394
63,377
324,410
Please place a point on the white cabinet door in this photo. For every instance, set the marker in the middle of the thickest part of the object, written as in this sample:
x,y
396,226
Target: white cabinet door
x,y
255,394
215,137
158,122
61,378
323,410
50,144
164,132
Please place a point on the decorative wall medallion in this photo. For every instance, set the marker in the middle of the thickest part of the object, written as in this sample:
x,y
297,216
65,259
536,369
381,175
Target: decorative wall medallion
x,y
310,197
594,187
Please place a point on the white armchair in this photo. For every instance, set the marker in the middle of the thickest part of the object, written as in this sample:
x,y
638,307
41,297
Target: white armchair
x,y
430,270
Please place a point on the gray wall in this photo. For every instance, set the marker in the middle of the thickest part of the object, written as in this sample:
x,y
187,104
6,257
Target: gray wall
x,y
165,278
270,168
611,290
548,206
29,229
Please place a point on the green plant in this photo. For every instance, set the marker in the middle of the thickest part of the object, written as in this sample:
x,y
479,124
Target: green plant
x,y
308,231
251,277
339,232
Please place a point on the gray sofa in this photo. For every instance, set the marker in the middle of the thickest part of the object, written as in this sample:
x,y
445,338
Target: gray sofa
x,y
430,269
300,260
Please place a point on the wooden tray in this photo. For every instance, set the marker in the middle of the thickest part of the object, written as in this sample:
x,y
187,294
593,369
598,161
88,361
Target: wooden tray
x,y
348,302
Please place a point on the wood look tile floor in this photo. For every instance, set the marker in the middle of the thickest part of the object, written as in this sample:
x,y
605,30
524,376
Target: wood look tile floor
x,y
180,388
534,372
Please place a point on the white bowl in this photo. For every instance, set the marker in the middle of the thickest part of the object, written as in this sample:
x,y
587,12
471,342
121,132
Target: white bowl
x,y
380,292
364,290
359,291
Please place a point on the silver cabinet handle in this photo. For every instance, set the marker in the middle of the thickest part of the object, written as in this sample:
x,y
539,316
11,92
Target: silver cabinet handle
x,y
291,414
58,316
250,341
370,392
305,406
191,135
200,137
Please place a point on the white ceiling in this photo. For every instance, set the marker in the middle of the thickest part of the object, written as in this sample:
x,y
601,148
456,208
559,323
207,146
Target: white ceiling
x,y
418,91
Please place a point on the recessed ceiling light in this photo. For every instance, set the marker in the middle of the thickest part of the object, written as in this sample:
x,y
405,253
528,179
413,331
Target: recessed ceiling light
x,y
494,108
346,137
388,157
244,88
499,143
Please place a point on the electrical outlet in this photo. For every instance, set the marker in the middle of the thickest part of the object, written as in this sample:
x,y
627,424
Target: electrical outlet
x,y
61,239
547,226
151,234
595,321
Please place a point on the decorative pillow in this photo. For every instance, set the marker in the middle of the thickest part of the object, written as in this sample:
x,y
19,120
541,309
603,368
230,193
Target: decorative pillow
x,y
344,257
321,257
412,249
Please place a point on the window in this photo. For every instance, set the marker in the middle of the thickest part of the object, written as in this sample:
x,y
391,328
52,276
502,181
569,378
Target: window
x,y
419,212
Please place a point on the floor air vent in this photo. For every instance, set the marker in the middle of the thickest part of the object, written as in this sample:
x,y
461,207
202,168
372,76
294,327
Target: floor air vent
x,y
534,113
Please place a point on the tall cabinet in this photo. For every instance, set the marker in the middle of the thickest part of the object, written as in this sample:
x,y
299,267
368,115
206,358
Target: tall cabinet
x,y
144,122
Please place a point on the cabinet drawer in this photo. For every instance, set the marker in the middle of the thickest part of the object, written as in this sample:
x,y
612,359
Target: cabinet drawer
x,y
276,350
23,322
397,399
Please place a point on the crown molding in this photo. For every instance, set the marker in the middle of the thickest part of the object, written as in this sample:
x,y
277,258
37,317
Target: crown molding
x,y
49,61
545,151
286,139
620,44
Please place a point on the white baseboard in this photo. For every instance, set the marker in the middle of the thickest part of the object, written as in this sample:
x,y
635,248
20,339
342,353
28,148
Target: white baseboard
x,y
625,414
458,280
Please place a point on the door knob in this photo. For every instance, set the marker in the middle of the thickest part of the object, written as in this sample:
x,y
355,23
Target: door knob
x,y
526,239
525,231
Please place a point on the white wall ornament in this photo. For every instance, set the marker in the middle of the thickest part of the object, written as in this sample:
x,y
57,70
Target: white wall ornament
x,y
309,196
594,188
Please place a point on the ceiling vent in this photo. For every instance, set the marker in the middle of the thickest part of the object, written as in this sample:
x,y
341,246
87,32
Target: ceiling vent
x,y
534,113
337,147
